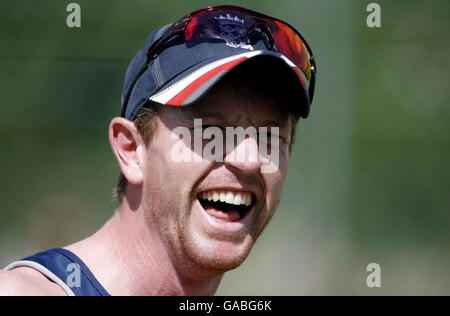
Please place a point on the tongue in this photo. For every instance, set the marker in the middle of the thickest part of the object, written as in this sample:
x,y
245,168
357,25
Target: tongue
x,y
229,215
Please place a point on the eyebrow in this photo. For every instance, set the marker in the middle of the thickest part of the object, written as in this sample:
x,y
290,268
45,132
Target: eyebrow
x,y
274,123
215,115
221,117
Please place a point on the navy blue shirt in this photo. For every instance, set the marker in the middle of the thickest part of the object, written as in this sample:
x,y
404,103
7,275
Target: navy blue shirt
x,y
71,270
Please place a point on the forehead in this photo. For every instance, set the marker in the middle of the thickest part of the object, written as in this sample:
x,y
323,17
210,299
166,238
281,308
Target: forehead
x,y
237,98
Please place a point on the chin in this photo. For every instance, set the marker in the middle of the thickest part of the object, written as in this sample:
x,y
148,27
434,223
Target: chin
x,y
216,257
215,246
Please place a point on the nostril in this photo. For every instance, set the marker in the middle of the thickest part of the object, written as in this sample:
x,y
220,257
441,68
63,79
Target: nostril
x,y
245,163
247,167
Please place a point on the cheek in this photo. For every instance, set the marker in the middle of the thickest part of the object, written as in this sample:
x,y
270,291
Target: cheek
x,y
172,168
167,189
284,158
274,183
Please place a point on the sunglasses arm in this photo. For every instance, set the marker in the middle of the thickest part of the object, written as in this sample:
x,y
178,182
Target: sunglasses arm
x,y
176,28
312,82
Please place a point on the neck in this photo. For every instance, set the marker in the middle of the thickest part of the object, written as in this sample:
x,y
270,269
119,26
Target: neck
x,y
129,259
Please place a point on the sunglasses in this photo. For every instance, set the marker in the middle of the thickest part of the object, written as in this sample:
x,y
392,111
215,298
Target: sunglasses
x,y
236,25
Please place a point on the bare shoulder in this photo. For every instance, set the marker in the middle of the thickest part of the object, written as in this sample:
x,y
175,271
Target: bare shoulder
x,y
27,281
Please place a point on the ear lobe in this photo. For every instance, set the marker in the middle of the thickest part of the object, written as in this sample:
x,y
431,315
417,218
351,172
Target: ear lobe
x,y
125,141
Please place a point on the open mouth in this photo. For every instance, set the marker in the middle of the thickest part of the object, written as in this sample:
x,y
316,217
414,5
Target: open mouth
x,y
227,205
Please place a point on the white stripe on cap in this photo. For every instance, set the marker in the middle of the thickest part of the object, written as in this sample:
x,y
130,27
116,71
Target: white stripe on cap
x,y
167,94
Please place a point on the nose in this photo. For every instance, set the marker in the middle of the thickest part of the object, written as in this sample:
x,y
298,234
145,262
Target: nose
x,y
244,156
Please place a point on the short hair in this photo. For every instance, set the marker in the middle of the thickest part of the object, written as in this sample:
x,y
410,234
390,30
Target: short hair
x,y
260,75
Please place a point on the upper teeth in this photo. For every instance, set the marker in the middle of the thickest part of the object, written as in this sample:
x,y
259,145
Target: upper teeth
x,y
226,196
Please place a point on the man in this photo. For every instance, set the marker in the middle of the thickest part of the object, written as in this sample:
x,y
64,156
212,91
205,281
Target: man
x,y
201,100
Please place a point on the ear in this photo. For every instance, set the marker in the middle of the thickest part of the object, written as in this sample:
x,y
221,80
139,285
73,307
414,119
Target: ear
x,y
127,145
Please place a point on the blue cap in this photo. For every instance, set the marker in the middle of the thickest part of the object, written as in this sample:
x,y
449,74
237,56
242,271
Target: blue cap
x,y
182,72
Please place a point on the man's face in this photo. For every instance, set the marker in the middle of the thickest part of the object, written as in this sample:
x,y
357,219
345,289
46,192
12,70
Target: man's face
x,y
182,200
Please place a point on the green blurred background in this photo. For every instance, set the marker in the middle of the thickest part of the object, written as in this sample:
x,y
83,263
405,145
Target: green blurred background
x,y
369,177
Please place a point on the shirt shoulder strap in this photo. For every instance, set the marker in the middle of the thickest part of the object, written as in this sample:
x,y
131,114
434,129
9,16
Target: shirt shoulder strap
x,y
65,269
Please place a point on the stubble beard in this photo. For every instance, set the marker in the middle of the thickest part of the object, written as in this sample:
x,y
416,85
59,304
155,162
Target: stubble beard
x,y
184,246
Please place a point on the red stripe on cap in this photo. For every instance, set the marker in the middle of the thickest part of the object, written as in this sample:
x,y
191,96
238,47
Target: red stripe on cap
x,y
194,85
299,75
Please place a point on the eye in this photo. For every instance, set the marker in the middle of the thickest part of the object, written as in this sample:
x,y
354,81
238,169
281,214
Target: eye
x,y
268,136
203,127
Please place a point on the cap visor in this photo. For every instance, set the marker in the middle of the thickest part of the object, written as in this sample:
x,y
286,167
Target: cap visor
x,y
195,82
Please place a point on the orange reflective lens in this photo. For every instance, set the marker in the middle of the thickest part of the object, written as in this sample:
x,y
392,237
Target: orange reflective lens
x,y
289,43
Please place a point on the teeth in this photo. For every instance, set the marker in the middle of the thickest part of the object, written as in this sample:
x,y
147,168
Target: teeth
x,y
248,199
230,197
216,196
237,199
